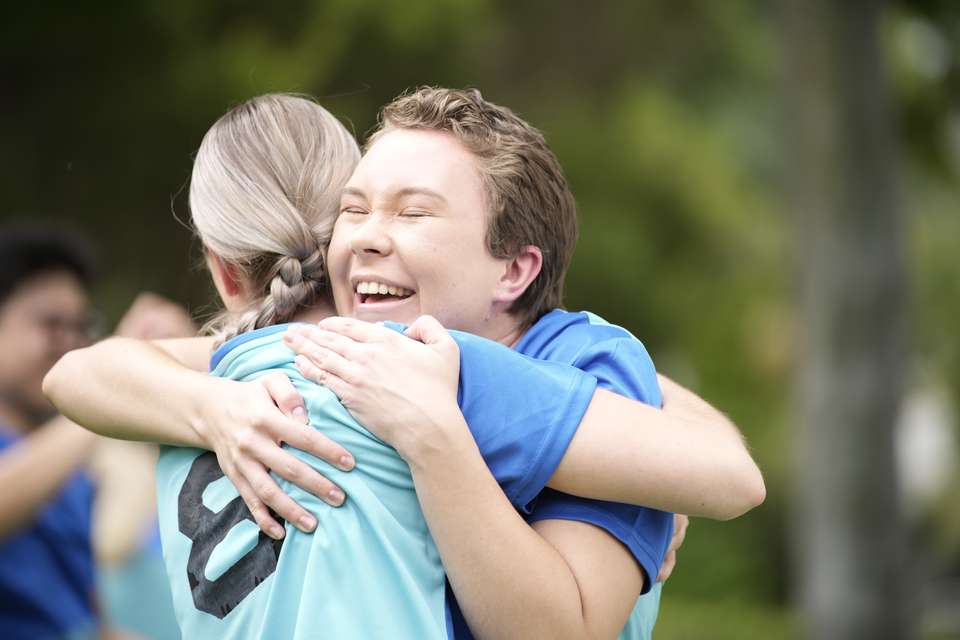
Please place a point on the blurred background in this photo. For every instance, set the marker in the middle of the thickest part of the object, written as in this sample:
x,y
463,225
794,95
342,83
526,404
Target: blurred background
x,y
768,196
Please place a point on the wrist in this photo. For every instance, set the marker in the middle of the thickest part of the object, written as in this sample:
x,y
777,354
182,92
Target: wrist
x,y
198,417
445,437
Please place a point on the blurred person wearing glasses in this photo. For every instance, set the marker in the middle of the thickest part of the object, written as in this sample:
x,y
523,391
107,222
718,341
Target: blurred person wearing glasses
x,y
69,500
46,559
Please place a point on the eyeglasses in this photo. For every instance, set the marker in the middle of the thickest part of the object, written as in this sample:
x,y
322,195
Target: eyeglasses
x,y
83,330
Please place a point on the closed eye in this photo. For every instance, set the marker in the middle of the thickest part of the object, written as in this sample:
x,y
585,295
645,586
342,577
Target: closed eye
x,y
415,213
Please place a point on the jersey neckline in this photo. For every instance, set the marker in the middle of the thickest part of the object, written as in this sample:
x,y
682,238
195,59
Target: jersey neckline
x,y
243,338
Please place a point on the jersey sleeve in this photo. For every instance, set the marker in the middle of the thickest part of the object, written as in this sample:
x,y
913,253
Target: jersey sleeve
x,y
522,412
623,366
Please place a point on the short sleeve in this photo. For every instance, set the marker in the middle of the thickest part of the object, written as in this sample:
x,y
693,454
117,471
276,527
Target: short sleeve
x,y
522,412
623,366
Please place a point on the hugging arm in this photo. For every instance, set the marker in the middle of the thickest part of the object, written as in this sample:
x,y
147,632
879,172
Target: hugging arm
x,y
512,580
160,392
685,458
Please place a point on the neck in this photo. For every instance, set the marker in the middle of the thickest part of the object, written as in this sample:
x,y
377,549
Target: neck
x,y
503,328
316,313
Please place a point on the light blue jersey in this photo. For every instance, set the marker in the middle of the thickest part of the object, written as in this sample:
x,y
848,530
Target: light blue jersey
x,y
371,569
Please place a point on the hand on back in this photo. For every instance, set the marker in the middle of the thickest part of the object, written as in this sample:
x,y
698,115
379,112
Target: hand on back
x,y
404,391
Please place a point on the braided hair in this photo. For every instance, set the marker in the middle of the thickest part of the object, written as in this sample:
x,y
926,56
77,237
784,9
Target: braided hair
x,y
264,196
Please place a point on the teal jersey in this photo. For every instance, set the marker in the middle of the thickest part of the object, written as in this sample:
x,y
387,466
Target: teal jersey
x,y
371,569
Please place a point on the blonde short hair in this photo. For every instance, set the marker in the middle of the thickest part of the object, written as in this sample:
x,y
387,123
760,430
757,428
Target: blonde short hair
x,y
264,196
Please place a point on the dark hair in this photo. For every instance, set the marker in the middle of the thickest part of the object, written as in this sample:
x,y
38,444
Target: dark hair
x,y
28,249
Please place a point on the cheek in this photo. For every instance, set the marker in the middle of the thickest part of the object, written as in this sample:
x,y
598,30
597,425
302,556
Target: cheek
x,y
337,265
27,350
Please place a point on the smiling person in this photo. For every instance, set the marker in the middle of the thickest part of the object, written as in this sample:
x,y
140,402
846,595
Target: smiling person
x,y
461,208
265,192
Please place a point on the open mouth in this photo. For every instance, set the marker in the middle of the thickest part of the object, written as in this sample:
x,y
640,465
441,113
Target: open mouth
x,y
371,292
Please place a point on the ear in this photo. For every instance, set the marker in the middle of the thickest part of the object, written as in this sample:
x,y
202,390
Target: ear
x,y
518,273
226,275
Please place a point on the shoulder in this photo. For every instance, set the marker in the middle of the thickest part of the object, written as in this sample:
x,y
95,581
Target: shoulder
x,y
573,334
584,340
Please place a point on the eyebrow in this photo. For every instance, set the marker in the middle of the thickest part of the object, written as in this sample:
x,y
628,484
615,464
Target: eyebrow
x,y
402,193
352,191
419,191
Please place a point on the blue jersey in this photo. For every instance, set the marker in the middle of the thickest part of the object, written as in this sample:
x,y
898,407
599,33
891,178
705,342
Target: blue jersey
x,y
47,569
621,364
371,569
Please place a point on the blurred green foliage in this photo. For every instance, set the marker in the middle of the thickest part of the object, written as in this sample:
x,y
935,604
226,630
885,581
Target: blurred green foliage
x,y
665,116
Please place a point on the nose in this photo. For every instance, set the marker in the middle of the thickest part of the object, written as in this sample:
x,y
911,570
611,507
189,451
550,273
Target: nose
x,y
372,237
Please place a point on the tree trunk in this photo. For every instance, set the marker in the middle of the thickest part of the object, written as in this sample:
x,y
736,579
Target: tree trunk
x,y
851,569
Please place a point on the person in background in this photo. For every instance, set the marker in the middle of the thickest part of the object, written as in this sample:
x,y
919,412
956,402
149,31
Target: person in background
x,y
46,558
126,536
56,526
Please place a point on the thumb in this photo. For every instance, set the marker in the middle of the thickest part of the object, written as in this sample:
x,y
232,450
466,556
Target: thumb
x,y
428,330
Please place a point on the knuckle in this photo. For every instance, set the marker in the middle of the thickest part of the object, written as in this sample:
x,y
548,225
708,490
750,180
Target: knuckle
x,y
267,491
245,441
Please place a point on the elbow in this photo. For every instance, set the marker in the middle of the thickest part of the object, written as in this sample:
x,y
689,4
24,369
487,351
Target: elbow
x,y
53,380
759,491
755,492
56,383
749,493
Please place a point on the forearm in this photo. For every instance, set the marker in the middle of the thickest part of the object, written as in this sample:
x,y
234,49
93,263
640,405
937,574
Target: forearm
x,y
48,457
510,582
687,460
129,389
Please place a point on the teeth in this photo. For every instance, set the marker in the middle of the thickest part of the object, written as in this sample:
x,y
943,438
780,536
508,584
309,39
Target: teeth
x,y
382,289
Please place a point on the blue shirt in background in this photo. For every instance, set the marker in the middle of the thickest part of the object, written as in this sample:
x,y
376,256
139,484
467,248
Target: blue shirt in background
x,y
47,568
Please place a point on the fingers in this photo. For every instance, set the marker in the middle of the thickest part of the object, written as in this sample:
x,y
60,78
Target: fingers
x,y
324,361
428,330
319,445
291,468
285,396
680,524
272,496
261,515
669,562
357,329
325,377
306,340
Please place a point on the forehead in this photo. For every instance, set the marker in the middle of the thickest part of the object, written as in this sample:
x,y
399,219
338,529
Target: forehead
x,y
405,158
49,291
